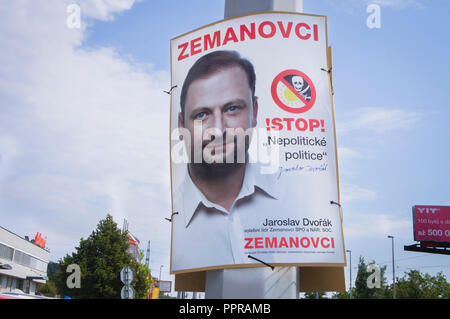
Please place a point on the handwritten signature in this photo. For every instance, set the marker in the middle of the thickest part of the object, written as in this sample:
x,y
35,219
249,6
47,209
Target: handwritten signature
x,y
299,168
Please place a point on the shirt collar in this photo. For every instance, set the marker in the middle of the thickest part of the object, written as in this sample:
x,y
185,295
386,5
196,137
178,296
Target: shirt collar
x,y
253,180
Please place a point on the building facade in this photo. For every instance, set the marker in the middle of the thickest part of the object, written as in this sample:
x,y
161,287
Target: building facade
x,y
23,263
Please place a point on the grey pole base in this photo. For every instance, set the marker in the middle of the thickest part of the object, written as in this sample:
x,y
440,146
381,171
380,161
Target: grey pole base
x,y
253,283
239,7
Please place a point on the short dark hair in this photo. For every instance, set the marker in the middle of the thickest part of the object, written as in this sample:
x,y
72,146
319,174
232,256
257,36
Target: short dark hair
x,y
213,62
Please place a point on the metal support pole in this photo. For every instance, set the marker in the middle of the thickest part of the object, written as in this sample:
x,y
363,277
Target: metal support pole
x,y
349,251
256,283
393,266
252,283
239,7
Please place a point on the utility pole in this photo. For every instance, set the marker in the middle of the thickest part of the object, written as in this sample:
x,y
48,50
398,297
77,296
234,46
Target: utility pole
x,y
238,7
261,282
349,251
147,257
159,278
393,265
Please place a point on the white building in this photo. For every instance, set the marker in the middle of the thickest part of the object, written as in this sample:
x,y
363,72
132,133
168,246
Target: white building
x,y
23,264
133,241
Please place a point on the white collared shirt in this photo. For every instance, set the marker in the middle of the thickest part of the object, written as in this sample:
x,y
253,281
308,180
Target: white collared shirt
x,y
205,234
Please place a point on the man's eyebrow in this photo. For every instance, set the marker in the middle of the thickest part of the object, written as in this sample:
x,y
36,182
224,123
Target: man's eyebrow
x,y
200,109
236,101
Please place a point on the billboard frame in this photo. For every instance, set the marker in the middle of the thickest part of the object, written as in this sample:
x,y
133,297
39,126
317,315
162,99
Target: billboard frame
x,y
424,249
427,246
332,266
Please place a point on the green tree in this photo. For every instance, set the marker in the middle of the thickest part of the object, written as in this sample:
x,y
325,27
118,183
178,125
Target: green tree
x,y
52,268
415,285
341,295
362,291
101,257
48,289
312,295
142,281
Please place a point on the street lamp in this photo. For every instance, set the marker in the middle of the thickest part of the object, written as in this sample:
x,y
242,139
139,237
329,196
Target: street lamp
x,y
393,264
160,272
349,251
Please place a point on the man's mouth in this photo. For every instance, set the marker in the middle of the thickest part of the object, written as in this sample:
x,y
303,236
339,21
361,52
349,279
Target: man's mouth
x,y
218,148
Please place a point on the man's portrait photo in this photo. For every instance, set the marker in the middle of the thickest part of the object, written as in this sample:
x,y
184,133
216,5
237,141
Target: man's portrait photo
x,y
221,188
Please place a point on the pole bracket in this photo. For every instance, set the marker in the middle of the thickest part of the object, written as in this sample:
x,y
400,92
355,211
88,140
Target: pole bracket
x,y
340,208
170,91
335,203
171,217
262,262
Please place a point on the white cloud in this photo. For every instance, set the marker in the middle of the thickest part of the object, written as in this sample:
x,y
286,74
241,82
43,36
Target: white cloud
x,y
83,132
104,9
347,154
358,7
9,151
351,192
369,225
397,4
379,120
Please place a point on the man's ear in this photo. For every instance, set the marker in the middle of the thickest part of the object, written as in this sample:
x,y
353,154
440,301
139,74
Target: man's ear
x,y
180,124
255,111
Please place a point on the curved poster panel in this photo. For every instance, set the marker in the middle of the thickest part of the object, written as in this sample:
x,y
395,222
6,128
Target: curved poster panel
x,y
253,146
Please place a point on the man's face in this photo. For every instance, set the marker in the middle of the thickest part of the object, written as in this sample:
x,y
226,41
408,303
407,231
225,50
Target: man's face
x,y
220,101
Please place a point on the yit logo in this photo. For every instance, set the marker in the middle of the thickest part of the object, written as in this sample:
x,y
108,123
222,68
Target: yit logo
x,y
293,91
428,210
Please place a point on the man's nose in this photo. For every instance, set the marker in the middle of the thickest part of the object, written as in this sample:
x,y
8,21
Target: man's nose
x,y
218,122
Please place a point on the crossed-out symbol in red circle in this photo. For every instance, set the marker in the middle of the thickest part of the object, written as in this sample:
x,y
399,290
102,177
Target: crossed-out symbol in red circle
x,y
293,91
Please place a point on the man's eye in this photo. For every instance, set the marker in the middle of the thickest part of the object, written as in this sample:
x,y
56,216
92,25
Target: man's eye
x,y
232,108
200,115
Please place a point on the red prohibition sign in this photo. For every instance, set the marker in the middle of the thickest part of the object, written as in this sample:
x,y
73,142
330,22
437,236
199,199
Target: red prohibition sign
x,y
293,91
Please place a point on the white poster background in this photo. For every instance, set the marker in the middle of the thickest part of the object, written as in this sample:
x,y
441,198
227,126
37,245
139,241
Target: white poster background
x,y
307,186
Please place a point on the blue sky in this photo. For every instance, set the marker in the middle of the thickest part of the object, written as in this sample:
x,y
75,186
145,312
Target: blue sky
x,y
75,108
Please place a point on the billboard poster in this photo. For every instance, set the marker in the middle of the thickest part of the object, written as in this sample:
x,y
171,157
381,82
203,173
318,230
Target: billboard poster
x,y
165,286
254,172
431,223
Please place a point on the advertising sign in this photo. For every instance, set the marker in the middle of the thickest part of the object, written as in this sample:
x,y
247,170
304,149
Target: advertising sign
x,y
254,171
165,286
431,223
155,293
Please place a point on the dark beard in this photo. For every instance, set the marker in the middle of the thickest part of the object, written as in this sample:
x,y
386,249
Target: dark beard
x,y
216,171
213,171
